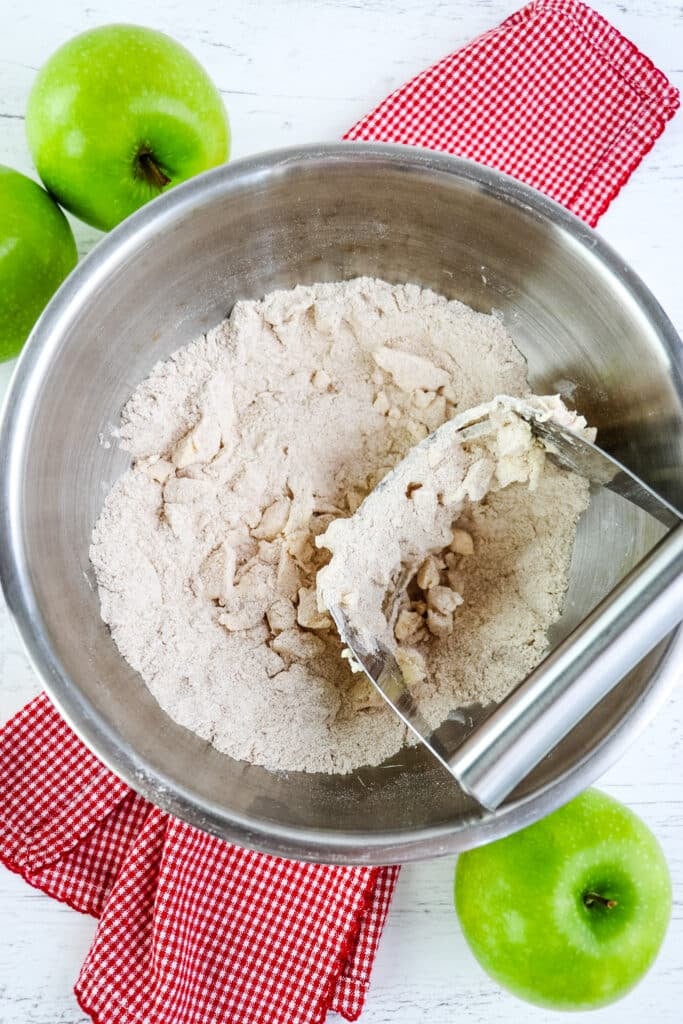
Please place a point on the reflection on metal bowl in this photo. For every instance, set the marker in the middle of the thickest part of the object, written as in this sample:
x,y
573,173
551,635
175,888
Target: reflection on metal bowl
x,y
587,326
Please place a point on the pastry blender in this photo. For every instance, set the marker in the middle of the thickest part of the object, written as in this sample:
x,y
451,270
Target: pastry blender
x,y
628,623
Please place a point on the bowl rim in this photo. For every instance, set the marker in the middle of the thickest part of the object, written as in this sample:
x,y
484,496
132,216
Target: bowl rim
x,y
328,846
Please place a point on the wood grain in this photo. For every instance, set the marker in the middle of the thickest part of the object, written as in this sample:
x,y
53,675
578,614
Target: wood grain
x,y
294,71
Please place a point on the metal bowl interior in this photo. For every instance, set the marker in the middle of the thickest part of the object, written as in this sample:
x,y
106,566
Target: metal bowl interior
x,y
586,325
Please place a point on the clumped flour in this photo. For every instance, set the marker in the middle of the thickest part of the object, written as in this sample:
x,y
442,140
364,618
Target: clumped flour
x,y
247,445
397,570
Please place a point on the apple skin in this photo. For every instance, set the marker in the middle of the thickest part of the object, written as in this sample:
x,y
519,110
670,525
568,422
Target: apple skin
x,y
522,907
37,251
118,114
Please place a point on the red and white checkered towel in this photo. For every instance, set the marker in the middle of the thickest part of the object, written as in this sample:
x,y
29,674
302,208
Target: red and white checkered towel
x,y
554,96
193,930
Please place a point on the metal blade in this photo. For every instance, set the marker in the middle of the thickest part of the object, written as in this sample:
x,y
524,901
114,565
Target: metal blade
x,y
382,670
570,451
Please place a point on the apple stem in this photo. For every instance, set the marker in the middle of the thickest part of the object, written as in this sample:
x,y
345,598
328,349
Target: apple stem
x,y
149,169
591,898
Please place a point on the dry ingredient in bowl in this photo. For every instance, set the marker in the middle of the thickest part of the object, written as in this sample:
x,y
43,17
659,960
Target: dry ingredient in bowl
x,y
246,445
396,563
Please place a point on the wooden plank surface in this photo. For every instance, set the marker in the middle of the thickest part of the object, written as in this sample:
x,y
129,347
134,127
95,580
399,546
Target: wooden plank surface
x,y
294,71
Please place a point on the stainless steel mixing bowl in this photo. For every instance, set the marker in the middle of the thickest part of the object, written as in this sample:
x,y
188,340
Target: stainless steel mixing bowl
x,y
586,324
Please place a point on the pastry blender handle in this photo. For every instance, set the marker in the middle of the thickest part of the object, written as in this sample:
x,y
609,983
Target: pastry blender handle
x,y
640,612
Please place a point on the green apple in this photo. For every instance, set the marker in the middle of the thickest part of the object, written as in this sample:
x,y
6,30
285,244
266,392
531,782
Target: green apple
x,y
570,912
119,114
37,251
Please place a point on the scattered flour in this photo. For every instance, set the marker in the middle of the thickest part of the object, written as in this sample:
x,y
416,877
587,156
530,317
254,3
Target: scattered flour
x,y
247,444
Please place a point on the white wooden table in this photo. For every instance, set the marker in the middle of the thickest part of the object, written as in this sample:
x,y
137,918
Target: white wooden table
x,y
294,71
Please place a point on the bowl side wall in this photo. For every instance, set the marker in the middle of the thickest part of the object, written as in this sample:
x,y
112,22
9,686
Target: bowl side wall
x,y
175,271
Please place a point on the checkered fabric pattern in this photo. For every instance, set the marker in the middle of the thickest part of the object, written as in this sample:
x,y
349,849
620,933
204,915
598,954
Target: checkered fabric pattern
x,y
554,96
235,935
193,930
66,823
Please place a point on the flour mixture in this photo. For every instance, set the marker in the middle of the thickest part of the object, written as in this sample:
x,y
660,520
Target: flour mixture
x,y
247,444
397,562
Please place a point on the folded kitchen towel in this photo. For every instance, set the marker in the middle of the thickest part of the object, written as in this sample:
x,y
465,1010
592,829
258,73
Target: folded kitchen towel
x,y
194,930
554,96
